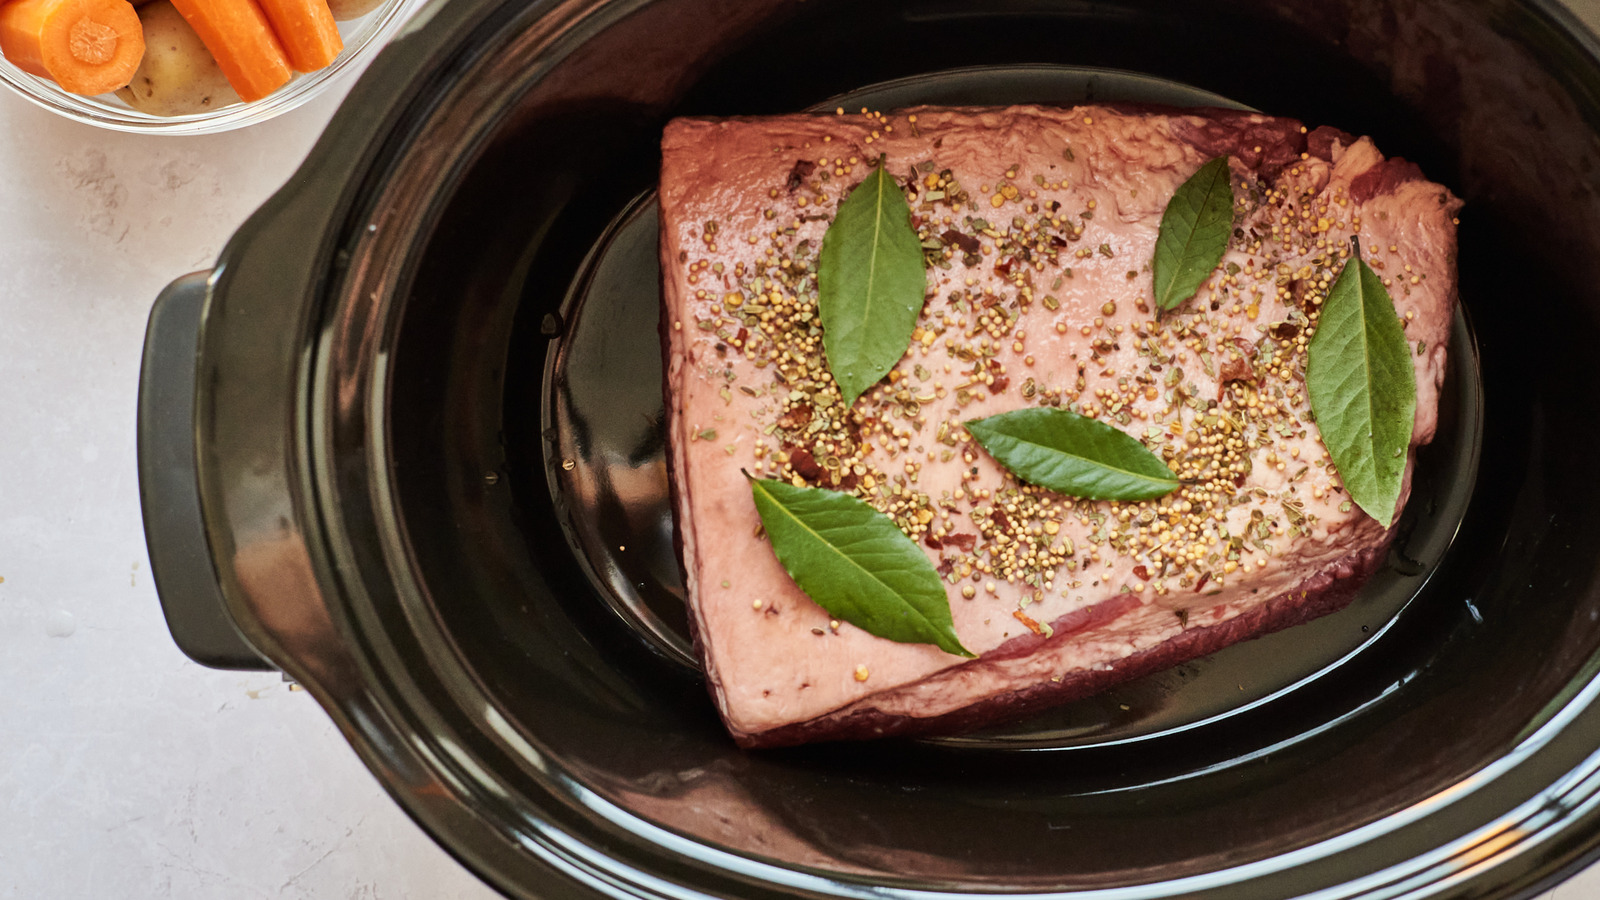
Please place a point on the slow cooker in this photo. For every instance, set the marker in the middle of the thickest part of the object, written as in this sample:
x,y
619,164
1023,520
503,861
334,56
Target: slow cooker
x,y
403,443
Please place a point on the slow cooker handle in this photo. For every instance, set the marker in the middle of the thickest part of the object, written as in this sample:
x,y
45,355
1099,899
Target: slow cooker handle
x,y
180,556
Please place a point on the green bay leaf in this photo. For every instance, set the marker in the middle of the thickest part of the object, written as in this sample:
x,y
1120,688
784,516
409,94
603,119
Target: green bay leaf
x,y
1363,388
1073,454
871,282
856,564
1194,233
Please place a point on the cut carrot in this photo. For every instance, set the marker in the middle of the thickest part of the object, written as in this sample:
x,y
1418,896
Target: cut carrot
x,y
307,31
85,46
239,38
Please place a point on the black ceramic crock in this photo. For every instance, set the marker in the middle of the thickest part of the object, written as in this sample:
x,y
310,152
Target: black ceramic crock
x,y
388,443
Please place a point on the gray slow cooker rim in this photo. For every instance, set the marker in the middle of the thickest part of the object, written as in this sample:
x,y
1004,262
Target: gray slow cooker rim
x,y
308,220
429,766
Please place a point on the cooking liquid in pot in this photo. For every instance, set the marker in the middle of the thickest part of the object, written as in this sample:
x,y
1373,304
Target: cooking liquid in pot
x,y
606,459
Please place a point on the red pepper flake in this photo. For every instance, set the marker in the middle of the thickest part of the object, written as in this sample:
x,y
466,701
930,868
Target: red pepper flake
x,y
1201,582
932,542
1000,382
798,417
1285,331
945,566
1027,620
805,464
1001,520
1235,370
1142,573
966,242
965,541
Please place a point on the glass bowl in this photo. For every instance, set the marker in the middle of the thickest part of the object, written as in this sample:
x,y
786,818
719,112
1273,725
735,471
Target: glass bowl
x,y
363,37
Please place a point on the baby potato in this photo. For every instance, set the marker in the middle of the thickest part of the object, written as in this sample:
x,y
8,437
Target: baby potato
x,y
345,10
177,76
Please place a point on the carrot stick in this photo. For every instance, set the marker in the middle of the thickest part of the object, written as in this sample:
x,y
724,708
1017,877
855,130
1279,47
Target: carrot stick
x,y
306,28
85,46
239,38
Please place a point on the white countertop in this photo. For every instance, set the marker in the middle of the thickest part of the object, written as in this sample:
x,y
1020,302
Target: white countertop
x,y
127,771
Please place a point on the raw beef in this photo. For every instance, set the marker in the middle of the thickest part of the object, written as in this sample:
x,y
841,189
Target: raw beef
x,y
1039,225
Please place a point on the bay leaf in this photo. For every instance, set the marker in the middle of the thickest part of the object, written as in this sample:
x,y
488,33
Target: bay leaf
x,y
871,282
1194,233
1073,454
856,564
1363,388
